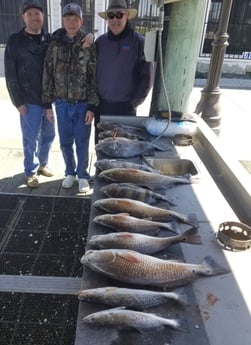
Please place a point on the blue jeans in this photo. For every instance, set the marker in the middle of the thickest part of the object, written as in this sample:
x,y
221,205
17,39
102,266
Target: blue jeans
x,y
73,130
38,134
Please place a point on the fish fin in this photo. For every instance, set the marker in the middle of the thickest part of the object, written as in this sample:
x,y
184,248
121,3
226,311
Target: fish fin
x,y
211,267
179,296
179,324
191,236
128,257
172,226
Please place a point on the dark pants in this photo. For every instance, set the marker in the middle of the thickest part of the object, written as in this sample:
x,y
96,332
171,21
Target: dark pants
x,y
113,108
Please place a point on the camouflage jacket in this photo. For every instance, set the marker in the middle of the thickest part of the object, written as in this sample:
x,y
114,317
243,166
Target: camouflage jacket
x,y
69,72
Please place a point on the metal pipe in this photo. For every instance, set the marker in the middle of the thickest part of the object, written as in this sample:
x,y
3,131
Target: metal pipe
x,y
209,104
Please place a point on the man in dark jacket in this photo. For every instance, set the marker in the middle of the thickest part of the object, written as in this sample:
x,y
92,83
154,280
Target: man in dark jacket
x,y
124,78
24,57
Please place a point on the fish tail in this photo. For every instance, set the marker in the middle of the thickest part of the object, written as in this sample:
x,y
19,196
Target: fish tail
x,y
191,236
178,296
165,197
171,226
211,267
178,324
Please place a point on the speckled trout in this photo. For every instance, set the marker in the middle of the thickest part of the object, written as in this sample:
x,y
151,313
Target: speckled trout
x,y
122,318
154,181
130,298
132,267
138,209
125,222
142,243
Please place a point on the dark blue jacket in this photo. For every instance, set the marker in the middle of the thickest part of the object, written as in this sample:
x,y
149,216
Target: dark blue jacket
x,y
23,60
123,75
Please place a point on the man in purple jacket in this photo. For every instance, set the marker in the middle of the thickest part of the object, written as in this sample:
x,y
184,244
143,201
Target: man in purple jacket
x,y
124,77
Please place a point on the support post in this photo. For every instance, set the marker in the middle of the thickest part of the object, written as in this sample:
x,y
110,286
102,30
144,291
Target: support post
x,y
209,104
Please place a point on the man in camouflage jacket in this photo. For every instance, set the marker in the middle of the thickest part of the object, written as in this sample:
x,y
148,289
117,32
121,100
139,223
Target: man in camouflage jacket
x,y
69,82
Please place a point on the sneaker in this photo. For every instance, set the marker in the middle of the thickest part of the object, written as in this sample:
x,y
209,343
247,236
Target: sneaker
x,y
69,181
45,171
83,185
32,181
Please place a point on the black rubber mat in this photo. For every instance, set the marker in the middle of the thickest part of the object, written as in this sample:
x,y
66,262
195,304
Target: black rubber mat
x,y
42,236
37,319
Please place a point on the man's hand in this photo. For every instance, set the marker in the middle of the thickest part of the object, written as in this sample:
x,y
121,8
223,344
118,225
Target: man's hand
x,y
89,117
50,116
22,109
88,40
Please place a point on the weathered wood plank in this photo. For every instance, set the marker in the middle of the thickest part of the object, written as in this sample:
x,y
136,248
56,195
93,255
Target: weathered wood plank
x,y
12,178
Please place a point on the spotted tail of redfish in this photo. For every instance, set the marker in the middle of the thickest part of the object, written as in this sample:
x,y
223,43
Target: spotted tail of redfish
x,y
211,268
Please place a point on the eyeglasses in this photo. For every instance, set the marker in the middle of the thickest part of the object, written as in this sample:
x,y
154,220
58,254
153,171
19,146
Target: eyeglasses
x,y
112,15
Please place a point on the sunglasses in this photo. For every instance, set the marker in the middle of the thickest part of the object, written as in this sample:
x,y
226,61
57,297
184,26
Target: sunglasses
x,y
112,15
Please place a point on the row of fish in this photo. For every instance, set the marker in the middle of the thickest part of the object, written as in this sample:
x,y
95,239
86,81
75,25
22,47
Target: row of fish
x,y
125,255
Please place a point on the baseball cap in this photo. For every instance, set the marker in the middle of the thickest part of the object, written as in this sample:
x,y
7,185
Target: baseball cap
x,y
72,8
31,4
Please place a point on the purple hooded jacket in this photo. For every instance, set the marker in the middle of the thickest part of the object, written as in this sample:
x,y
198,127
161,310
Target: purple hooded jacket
x,y
123,75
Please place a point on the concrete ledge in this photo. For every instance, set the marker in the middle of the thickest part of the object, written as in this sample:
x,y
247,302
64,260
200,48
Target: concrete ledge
x,y
230,176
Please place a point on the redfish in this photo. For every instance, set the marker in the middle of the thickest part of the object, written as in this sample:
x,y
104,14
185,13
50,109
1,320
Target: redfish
x,y
141,178
132,267
131,191
125,222
138,209
142,243
130,298
122,318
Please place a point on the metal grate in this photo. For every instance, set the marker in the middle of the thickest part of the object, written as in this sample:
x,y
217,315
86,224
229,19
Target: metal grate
x,y
37,319
41,242
239,29
42,235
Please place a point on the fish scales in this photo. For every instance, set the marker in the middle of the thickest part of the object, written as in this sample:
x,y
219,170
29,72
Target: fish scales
x,y
138,209
124,148
133,298
142,178
125,222
142,243
124,318
131,191
132,267
105,164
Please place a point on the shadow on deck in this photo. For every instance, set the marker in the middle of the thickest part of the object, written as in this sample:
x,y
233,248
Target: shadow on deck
x,y
13,181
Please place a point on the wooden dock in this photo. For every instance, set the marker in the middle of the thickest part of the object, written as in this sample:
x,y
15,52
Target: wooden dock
x,y
13,181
